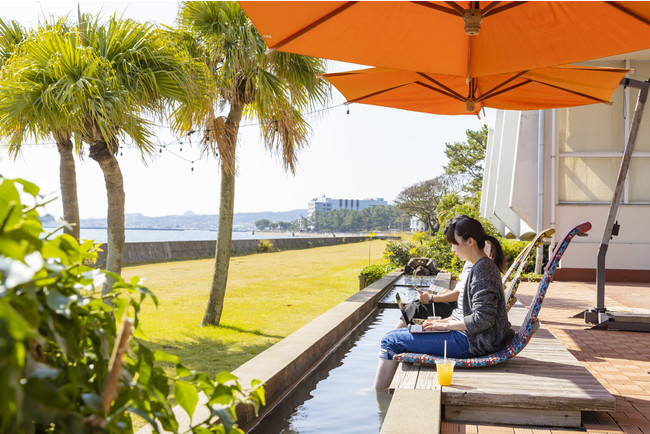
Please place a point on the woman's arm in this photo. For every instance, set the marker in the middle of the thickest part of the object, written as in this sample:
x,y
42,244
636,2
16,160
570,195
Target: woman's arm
x,y
483,299
445,297
444,325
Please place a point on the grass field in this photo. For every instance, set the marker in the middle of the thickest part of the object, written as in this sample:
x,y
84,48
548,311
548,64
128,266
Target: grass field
x,y
269,296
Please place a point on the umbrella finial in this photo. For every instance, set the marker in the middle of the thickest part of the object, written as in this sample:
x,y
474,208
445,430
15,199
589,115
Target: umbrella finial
x,y
473,19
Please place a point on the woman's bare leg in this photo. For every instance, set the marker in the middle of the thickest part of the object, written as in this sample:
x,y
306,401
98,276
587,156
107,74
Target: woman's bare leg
x,y
385,373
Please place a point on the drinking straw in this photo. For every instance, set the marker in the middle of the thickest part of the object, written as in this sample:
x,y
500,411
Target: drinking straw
x,y
433,306
445,351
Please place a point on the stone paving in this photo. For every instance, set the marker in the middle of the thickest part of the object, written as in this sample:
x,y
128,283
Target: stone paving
x,y
619,360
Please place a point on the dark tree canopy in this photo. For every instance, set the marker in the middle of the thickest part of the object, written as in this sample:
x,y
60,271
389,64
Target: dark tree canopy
x,y
421,200
466,158
263,224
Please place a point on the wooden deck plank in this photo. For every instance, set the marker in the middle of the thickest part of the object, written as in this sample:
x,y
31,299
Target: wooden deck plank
x,y
522,416
405,377
544,379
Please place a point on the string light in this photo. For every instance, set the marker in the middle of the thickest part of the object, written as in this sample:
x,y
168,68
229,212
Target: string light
x,y
129,143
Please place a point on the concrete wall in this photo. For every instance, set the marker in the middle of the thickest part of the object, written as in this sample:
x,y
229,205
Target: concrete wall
x,y
135,253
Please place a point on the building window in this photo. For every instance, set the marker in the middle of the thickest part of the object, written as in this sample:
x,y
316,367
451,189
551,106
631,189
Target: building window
x,y
591,144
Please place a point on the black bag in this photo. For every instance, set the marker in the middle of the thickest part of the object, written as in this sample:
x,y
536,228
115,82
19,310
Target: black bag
x,y
416,309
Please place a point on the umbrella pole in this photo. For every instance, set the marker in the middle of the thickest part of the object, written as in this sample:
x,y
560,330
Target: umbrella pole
x,y
598,314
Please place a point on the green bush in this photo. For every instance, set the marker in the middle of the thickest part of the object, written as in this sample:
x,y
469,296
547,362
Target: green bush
x,y
373,273
440,251
57,333
265,246
512,248
398,252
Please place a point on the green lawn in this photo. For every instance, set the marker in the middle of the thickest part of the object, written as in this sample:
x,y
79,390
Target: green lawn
x,y
269,296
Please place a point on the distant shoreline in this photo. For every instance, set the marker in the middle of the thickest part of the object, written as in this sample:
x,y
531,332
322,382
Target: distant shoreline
x,y
136,229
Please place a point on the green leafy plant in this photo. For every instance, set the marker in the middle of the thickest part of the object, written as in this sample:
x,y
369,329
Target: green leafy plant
x,y
60,350
372,273
265,246
398,252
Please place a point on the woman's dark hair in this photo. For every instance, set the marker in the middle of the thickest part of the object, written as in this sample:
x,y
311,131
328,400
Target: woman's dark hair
x,y
466,228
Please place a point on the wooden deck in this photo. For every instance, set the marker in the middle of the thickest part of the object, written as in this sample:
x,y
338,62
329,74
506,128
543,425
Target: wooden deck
x,y
544,385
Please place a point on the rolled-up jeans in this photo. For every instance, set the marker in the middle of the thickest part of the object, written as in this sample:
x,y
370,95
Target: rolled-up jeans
x,y
401,340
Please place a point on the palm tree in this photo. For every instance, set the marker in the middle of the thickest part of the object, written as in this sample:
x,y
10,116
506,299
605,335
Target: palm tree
x,y
272,88
104,81
153,73
24,113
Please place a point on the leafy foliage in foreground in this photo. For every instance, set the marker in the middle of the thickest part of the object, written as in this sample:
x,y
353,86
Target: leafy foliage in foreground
x,y
57,334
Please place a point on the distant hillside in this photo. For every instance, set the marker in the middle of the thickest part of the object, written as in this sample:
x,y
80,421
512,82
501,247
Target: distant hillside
x,y
243,221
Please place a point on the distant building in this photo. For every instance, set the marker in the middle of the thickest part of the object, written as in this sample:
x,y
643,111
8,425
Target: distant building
x,y
416,225
323,204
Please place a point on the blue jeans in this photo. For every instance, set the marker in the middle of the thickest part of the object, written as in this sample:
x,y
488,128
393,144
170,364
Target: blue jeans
x,y
401,340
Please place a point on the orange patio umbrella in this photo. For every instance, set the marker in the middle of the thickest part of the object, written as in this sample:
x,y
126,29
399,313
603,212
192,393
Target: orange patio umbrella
x,y
468,39
542,88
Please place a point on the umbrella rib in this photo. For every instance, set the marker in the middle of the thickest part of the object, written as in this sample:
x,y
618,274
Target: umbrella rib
x,y
584,95
629,12
438,7
489,11
488,8
508,89
313,25
458,8
499,86
379,92
453,95
451,91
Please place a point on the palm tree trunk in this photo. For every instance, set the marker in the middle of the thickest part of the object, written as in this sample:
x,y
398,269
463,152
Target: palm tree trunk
x,y
226,210
68,181
100,152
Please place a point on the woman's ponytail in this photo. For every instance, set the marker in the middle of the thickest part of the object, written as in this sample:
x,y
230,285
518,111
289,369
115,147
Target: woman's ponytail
x,y
496,252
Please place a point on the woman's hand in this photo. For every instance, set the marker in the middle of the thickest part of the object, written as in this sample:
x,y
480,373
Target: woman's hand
x,y
435,325
423,296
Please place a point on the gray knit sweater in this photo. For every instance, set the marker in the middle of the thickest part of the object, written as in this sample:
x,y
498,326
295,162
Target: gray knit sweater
x,y
484,307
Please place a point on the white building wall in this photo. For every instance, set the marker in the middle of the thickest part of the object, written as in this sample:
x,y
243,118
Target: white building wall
x,y
489,189
582,148
504,174
523,197
630,250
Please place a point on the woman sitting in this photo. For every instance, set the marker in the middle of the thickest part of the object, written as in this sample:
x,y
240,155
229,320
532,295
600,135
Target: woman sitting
x,y
478,326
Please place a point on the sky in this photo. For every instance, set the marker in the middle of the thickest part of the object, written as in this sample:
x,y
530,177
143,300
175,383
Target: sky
x,y
372,152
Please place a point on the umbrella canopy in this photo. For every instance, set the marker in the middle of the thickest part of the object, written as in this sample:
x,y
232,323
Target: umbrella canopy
x,y
542,88
469,39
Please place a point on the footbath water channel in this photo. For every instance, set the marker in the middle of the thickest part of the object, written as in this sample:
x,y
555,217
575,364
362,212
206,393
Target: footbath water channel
x,y
338,396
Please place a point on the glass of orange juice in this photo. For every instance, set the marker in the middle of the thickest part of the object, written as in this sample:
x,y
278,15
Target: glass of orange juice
x,y
444,371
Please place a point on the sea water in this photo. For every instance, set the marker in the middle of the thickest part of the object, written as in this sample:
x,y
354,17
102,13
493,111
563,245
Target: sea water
x,y
146,235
